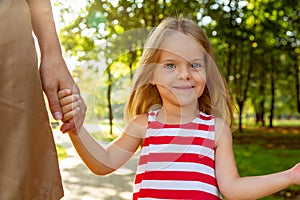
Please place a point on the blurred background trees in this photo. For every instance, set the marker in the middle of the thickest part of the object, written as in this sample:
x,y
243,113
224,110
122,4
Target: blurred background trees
x,y
256,43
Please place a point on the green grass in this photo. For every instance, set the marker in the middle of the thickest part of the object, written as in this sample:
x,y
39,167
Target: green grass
x,y
260,151
61,152
255,160
250,122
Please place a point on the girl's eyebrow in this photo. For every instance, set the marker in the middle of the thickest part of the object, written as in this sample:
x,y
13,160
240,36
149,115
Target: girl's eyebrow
x,y
196,60
167,59
172,60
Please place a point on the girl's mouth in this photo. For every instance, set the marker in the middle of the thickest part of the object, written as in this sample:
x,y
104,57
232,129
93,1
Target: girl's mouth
x,y
184,88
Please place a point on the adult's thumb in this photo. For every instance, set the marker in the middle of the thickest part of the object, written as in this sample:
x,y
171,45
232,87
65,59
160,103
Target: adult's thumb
x,y
54,105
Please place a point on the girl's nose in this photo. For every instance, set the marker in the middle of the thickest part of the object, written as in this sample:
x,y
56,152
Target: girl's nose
x,y
184,73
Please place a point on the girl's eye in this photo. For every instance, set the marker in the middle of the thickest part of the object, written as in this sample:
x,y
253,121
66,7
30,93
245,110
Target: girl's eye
x,y
196,66
170,66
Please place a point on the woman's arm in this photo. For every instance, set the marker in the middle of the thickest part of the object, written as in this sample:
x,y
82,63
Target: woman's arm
x,y
44,27
54,73
232,186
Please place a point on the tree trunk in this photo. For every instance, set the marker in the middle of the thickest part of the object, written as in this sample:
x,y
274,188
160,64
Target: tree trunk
x,y
272,93
297,74
241,105
109,100
260,111
228,64
272,101
243,90
133,58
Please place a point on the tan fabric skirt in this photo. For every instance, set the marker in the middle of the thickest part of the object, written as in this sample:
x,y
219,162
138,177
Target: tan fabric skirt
x,y
28,159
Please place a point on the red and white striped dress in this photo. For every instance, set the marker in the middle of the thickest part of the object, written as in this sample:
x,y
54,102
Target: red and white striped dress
x,y
177,161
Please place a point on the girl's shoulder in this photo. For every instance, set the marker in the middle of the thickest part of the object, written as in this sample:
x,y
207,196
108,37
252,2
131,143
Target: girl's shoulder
x,y
222,131
141,119
138,125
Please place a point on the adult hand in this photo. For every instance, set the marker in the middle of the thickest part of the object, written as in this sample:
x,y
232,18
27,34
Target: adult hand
x,y
56,76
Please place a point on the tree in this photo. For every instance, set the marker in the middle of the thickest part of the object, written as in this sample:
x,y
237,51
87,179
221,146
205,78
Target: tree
x,y
245,36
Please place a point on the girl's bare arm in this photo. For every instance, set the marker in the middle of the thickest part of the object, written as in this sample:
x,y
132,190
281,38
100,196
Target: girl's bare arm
x,y
104,160
232,186
101,159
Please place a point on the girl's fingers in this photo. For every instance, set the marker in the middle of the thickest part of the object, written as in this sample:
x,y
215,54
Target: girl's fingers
x,y
69,107
70,115
66,127
73,108
64,93
69,99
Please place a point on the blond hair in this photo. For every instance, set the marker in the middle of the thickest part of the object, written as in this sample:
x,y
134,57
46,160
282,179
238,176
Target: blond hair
x,y
144,95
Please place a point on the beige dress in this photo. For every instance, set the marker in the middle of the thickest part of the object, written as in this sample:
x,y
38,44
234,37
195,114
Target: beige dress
x,y
28,159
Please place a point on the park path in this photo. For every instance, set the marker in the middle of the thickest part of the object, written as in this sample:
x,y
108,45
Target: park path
x,y
81,184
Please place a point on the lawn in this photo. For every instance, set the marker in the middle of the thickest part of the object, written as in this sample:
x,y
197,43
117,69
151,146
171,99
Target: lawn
x,y
267,150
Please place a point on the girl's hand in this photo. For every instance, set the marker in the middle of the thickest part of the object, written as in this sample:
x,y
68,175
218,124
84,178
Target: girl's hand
x,y
71,105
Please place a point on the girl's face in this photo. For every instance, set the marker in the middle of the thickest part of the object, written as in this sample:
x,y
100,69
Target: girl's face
x,y
180,75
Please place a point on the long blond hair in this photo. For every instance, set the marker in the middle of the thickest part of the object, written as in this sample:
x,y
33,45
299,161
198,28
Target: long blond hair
x,y
215,99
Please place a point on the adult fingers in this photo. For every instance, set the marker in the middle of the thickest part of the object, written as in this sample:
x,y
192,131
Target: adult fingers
x,y
54,104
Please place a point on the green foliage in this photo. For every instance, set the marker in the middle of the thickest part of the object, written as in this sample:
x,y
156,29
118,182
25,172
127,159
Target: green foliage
x,y
96,18
256,44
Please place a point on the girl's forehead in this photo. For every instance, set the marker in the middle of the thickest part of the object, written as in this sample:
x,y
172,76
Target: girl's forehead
x,y
182,45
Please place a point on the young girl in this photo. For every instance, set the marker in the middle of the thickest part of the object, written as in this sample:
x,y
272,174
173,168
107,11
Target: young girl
x,y
178,112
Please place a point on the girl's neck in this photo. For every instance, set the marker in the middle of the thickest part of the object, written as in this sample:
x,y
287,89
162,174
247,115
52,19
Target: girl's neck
x,y
177,115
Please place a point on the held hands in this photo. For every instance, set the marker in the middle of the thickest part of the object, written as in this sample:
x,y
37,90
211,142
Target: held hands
x,y
55,76
73,108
